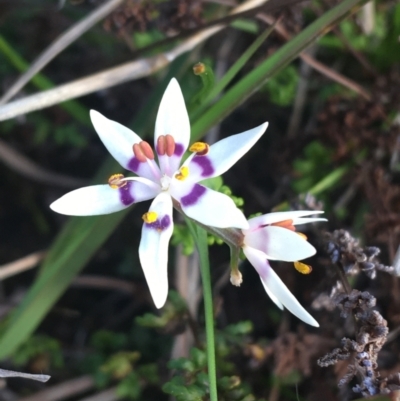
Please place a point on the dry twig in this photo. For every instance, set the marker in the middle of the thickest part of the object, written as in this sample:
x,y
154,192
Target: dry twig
x,y
59,45
27,168
113,76
21,265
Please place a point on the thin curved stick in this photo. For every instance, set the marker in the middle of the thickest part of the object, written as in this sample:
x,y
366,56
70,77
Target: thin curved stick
x,y
11,373
27,168
59,45
113,76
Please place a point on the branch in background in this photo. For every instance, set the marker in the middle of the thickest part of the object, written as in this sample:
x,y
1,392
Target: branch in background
x,y
323,69
59,45
113,76
27,168
21,265
11,373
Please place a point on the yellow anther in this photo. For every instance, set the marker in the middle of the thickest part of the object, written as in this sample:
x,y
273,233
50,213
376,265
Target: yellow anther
x,y
302,268
115,181
183,173
150,217
199,69
302,235
201,148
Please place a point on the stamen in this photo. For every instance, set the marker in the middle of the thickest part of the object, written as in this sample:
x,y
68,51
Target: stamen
x,y
236,277
161,145
147,150
170,144
143,151
302,268
201,148
302,235
115,181
285,224
183,173
150,217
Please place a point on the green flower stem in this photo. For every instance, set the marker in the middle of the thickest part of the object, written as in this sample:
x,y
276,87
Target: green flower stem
x,y
200,237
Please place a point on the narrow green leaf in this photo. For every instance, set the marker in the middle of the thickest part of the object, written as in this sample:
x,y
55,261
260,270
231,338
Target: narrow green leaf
x,y
328,181
281,58
73,107
239,64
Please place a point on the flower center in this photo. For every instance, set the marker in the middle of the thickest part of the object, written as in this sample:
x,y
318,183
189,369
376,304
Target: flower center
x,y
165,181
116,181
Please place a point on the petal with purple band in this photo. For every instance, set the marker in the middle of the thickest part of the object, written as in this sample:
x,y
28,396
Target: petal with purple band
x,y
296,216
279,243
274,286
223,154
179,149
116,138
153,249
172,119
148,169
207,206
259,259
102,199
125,194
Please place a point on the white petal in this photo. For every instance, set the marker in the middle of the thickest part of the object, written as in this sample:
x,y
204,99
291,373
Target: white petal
x,y
257,258
275,287
271,218
279,243
207,206
119,141
306,220
223,154
274,299
153,249
102,199
172,119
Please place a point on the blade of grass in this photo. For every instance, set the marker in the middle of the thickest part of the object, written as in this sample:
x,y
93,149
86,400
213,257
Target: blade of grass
x,y
200,238
59,45
275,63
77,111
232,72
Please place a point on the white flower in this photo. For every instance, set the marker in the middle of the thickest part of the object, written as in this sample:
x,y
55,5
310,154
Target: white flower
x,y
163,181
272,236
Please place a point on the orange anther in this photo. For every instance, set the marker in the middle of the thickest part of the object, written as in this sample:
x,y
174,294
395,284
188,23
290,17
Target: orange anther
x,y
170,144
147,150
161,145
138,152
285,224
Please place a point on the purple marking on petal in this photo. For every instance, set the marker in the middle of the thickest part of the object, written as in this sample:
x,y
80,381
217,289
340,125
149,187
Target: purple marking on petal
x,y
193,196
133,164
205,164
125,194
178,149
160,225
